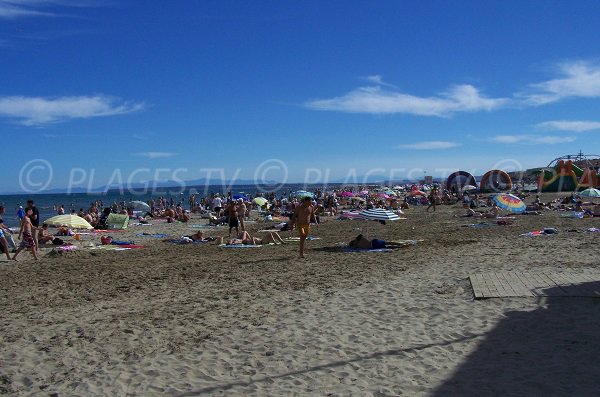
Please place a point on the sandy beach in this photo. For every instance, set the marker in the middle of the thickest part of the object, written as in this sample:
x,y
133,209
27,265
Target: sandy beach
x,y
198,319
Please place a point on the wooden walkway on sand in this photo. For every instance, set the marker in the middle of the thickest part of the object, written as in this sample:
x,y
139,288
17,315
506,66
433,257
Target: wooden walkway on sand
x,y
525,284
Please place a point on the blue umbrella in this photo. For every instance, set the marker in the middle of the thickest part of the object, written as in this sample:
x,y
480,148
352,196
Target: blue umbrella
x,y
240,196
303,193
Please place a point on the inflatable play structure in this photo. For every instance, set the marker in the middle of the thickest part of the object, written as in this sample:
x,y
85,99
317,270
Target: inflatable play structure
x,y
562,175
495,181
458,179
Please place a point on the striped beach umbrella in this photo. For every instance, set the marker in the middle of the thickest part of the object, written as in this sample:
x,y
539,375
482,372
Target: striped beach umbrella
x,y
379,214
509,202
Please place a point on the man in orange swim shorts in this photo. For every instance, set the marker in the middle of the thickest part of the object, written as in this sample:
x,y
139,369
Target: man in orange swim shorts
x,y
301,218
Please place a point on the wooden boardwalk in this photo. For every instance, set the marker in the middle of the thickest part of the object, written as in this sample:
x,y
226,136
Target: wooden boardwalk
x,y
524,284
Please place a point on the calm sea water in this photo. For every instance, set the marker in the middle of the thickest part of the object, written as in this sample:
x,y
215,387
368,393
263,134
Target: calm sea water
x,y
46,202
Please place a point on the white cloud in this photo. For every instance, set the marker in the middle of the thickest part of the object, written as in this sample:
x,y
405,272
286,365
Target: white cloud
x,y
35,111
532,139
566,125
374,100
378,80
579,79
429,145
156,155
12,9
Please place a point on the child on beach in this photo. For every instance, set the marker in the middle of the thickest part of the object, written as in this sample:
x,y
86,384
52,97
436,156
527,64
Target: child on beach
x,y
26,236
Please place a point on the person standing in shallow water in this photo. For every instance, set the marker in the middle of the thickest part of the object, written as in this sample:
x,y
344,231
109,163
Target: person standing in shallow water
x,y
301,218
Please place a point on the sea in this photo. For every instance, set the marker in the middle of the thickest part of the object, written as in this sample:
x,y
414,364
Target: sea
x,y
48,203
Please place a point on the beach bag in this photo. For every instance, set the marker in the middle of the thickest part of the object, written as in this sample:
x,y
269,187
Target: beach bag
x,y
57,241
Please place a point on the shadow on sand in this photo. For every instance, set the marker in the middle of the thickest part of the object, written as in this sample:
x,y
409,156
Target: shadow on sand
x,y
551,351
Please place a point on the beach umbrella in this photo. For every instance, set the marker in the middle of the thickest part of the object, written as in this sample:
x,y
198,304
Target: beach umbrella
x,y
138,205
303,193
71,221
239,196
468,188
417,193
362,200
383,196
260,201
346,194
379,214
591,192
364,192
509,202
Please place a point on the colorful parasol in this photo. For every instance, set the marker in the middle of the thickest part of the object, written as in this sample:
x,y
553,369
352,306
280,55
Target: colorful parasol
x,y
509,202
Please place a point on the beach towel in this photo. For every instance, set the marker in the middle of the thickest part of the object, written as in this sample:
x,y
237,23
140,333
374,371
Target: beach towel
x,y
297,239
482,224
155,235
593,230
239,246
117,242
546,231
574,215
205,226
186,241
348,249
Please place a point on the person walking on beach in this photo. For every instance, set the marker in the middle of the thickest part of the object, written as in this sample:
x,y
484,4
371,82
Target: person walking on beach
x,y
5,230
26,236
432,198
301,218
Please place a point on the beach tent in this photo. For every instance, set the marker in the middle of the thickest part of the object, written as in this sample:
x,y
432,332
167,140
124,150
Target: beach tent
x,y
117,221
71,221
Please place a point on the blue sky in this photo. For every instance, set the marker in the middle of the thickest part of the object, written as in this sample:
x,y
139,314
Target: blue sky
x,y
118,91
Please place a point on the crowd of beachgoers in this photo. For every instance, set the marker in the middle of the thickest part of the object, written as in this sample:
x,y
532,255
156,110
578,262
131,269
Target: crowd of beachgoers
x,y
170,306
235,209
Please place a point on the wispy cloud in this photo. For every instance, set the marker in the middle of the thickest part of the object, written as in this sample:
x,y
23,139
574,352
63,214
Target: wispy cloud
x,y
156,155
36,111
378,80
532,139
12,9
578,79
429,145
566,125
375,100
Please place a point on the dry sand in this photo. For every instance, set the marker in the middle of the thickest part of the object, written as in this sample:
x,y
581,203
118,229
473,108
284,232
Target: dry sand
x,y
189,320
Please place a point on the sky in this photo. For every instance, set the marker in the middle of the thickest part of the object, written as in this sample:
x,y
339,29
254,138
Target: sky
x,y
100,92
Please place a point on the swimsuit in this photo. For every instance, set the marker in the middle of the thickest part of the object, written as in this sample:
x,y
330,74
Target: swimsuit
x,y
304,229
27,241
